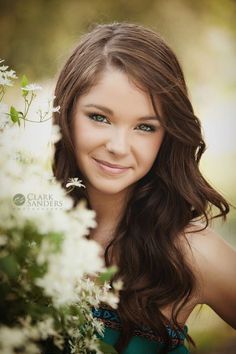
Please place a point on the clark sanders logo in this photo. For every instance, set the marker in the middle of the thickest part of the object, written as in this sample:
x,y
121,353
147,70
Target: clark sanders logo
x,y
33,200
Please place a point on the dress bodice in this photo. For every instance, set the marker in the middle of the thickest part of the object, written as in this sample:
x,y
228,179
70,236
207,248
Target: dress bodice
x,y
144,340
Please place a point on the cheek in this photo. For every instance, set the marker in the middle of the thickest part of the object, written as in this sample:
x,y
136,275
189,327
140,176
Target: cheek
x,y
148,153
84,138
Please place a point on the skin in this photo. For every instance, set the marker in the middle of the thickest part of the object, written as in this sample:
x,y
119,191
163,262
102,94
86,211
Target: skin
x,y
214,265
213,262
120,137
117,134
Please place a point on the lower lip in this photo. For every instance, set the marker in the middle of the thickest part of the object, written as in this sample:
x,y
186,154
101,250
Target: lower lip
x,y
111,170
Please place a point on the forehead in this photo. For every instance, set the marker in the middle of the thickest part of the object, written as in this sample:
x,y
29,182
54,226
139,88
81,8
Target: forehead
x,y
116,91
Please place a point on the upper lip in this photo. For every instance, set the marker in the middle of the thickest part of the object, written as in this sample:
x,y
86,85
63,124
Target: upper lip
x,y
110,164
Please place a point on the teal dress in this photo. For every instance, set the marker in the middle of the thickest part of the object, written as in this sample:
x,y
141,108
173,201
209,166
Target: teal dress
x,y
144,340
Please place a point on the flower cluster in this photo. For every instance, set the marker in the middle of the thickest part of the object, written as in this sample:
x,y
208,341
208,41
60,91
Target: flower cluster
x,y
6,76
51,275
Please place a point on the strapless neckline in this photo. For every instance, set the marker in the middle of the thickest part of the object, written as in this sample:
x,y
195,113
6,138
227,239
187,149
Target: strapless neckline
x,y
111,319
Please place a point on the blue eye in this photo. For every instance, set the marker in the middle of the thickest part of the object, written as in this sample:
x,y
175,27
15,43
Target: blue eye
x,y
147,128
98,118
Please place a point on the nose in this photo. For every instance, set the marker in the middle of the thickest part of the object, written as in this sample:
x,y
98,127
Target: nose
x,y
118,142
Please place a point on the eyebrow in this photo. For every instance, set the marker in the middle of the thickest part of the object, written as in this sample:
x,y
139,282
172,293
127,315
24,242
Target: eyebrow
x,y
109,111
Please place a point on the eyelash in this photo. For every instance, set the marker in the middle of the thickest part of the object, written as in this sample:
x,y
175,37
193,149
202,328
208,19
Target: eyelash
x,y
92,115
151,128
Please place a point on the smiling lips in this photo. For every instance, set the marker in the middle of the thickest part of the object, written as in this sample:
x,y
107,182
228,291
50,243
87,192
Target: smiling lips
x,y
111,168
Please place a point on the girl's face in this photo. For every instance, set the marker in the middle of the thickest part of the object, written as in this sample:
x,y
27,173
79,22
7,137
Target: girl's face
x,y
116,134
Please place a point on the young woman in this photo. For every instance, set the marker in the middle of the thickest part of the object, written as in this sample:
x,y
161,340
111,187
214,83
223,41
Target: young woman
x,y
129,131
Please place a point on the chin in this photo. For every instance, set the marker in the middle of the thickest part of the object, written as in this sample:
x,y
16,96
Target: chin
x,y
110,189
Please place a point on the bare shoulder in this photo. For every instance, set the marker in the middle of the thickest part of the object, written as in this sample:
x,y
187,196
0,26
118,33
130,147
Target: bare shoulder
x,y
213,262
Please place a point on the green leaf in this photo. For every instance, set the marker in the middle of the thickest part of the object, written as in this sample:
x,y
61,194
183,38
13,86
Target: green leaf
x,y
108,274
9,266
106,348
14,115
56,239
24,81
25,93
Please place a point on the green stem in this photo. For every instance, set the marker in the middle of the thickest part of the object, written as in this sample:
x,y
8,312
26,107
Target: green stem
x,y
70,190
2,93
25,109
42,118
35,121
27,106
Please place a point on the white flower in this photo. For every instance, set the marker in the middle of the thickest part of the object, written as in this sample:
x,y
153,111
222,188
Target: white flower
x,y
32,87
76,182
12,339
55,134
5,81
11,74
106,286
118,284
77,258
46,327
6,75
99,326
3,68
92,345
56,109
24,172
110,299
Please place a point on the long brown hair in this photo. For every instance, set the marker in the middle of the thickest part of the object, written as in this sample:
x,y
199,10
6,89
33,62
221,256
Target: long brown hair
x,y
173,192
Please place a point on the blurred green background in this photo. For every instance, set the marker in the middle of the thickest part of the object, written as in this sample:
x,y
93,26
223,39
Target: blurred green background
x,y
38,35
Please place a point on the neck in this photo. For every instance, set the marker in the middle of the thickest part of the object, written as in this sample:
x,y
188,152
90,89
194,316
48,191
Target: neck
x,y
109,209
